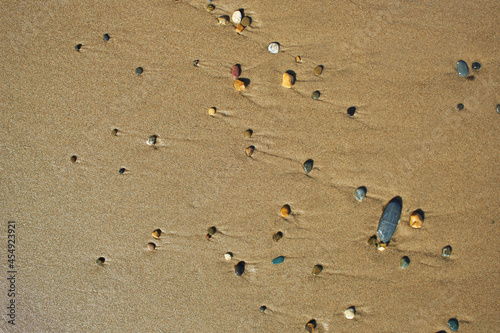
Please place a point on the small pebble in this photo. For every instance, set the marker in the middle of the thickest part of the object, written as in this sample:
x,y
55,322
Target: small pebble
x,y
453,324
239,268
152,140
73,158
317,269
78,47
212,231
115,132
122,170
351,111
498,108
285,210
223,20
360,193
100,260
228,256
236,17
298,59
156,233
245,21
372,240
274,47
382,246
106,37
350,312
240,28
308,165
470,78
263,308
476,65
447,251
196,63
236,71
278,260
239,85
416,220
316,95
151,247
288,80
277,236
462,68
212,111
310,327
210,7
318,70
248,133
249,151
460,106
404,262
139,70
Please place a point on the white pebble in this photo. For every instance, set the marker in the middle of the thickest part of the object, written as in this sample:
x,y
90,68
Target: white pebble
x,y
274,47
236,18
228,256
349,313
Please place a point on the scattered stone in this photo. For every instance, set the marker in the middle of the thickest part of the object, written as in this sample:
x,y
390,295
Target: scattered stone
x,y
228,256
298,59
151,247
78,47
476,65
285,210
453,324
239,268
372,240
317,269
404,262
462,68
389,219
288,80
196,63
73,158
236,17
152,140
311,326
381,246
318,70
308,165
122,170
156,233
316,95
210,7
240,28
416,220
350,312
236,71
100,260
498,108
248,133
263,308
351,111
274,47
360,193
245,21
239,85
277,236
223,20
139,70
211,232
115,132
212,111
278,260
447,251
106,37
249,151
460,106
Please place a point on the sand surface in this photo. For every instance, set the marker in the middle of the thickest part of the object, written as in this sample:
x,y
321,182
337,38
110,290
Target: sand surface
x,y
393,60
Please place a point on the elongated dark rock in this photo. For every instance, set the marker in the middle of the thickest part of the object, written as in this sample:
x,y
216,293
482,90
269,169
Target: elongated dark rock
x,y
389,220
239,268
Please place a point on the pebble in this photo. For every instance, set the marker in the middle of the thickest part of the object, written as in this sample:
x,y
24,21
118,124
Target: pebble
x,y
196,62
287,80
316,95
274,47
245,21
210,7
498,108
223,20
389,220
122,170
212,231
139,70
317,269
212,111
236,71
308,165
239,85
152,140
115,132
360,193
151,247
446,252
278,260
78,47
236,17
453,324
249,151
100,260
350,312
351,111
240,28
285,210
156,234
248,133
318,70
263,308
460,106
298,59
310,327
476,65
404,262
277,236
416,220
470,78
106,37
239,268
73,158
462,68
228,256
382,246
372,240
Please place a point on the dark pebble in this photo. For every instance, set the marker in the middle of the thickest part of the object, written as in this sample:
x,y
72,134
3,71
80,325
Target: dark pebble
x,y
152,140
453,324
212,231
460,106
311,325
316,94
351,111
405,262
277,236
447,251
100,260
470,78
372,240
196,62
139,70
308,165
278,260
78,47
263,308
462,68
121,171
476,65
73,158
106,37
498,108
239,268
389,219
115,132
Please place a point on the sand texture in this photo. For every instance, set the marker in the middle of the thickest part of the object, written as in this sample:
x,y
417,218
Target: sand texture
x,y
395,61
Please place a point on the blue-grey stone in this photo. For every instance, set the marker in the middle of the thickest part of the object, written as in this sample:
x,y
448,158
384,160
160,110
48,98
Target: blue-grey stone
x,y
308,165
278,260
360,193
453,323
462,68
389,220
239,268
405,262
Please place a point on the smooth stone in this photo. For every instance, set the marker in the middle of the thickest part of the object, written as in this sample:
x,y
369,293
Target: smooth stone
x,y
239,268
278,260
139,70
404,262
196,62
236,17
106,37
498,108
372,240
100,260
151,247
245,21
152,140
288,80
285,210
73,158
316,95
416,220
350,312
274,47
308,165
310,327
223,20
447,250
78,47
351,111
453,324
156,233
236,71
389,220
239,85
240,28
476,65
263,308
381,246
462,68
212,231
298,59
277,236
228,256
210,7
249,151
318,70
248,133
121,171
460,106
317,269
115,132
360,193
212,111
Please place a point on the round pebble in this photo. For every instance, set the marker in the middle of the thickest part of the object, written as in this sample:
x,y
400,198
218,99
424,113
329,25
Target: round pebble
x,y
152,140
318,70
351,111
277,236
498,108
73,158
274,47
308,165
311,326
212,231
239,268
106,37
239,85
317,269
236,17
382,246
228,256
446,251
78,47
156,233
278,260
372,240
151,247
121,171
360,193
462,68
285,210
223,20
404,262
245,21
453,324
316,95
139,70
416,220
115,132
248,133
100,260
298,59
263,308
476,65
210,7
240,28
212,111
288,80
350,312
460,106
236,71
249,151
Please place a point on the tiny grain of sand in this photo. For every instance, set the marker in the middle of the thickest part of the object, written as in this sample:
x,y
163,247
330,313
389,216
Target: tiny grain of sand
x,y
78,190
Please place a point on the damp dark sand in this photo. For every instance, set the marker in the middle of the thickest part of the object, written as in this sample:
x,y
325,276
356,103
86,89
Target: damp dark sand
x,y
394,62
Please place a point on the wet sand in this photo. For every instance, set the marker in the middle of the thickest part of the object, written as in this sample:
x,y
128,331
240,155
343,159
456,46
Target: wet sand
x,y
394,61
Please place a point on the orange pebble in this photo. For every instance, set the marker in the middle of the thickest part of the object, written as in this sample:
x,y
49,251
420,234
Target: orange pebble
x,y
156,234
239,85
416,220
287,80
239,28
250,151
285,210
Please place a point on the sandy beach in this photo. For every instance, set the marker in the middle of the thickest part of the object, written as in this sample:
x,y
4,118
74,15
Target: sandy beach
x,y
79,180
